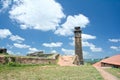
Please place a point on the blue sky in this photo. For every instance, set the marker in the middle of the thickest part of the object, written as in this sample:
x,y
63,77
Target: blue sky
x,y
33,25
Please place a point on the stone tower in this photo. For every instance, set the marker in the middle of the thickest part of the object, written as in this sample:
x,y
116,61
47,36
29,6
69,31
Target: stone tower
x,y
78,46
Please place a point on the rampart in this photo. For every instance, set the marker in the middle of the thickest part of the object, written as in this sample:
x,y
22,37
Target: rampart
x,y
28,60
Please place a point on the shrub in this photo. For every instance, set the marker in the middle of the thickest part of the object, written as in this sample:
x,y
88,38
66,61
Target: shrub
x,y
6,59
14,64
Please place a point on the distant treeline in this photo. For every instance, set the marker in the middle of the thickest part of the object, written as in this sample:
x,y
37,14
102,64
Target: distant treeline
x,y
91,61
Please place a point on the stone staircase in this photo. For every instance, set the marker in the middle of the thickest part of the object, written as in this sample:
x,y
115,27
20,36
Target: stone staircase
x,y
66,60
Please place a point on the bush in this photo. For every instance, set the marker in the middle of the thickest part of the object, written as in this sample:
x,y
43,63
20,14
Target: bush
x,y
6,59
14,64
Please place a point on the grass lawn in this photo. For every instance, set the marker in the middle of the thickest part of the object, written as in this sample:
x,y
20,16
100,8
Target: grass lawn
x,y
114,71
49,72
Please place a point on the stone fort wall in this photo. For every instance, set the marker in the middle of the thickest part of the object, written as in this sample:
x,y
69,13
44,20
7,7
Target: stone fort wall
x,y
27,60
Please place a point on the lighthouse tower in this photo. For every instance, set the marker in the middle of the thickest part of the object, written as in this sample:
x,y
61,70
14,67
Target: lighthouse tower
x,y
78,46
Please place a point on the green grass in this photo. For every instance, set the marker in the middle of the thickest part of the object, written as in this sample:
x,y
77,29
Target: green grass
x,y
114,71
49,72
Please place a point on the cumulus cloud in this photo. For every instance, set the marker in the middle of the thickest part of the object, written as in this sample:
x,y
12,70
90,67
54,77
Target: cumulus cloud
x,y
114,40
21,45
92,47
16,38
13,53
10,52
4,33
71,22
85,37
5,4
88,37
57,44
24,46
68,51
72,52
85,43
43,15
32,50
115,48
53,51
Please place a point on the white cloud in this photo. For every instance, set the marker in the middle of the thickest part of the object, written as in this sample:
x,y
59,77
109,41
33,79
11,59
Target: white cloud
x,y
21,45
72,21
95,49
10,52
85,43
57,44
5,4
115,48
13,53
73,41
88,37
24,46
86,55
72,52
4,33
16,38
43,15
9,46
114,40
23,26
84,38
92,47
68,51
32,50
53,51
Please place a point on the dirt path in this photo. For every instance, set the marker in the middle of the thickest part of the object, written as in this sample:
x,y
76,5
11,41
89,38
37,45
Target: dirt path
x,y
106,75
66,61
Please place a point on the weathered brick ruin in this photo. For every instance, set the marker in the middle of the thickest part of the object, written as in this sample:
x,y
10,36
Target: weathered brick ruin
x,y
78,46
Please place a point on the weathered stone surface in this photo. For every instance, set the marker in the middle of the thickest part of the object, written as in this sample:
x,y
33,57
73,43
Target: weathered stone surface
x,y
2,60
66,61
78,46
27,60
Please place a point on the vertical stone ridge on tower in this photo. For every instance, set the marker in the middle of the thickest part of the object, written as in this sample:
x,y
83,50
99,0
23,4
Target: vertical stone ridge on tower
x,y
78,46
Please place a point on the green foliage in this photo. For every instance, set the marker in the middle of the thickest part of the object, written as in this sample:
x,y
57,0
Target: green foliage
x,y
14,64
91,61
4,53
9,60
13,59
6,59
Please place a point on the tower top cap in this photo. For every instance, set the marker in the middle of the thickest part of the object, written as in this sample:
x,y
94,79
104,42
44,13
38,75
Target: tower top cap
x,y
77,28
